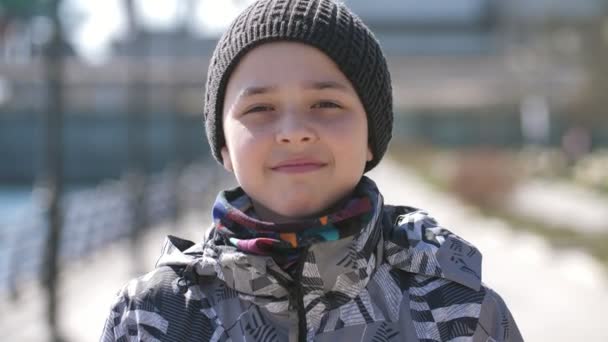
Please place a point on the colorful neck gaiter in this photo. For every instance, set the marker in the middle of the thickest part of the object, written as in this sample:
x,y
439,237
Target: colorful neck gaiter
x,y
236,226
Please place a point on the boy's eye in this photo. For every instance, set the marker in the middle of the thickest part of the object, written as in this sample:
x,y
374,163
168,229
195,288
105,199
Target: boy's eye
x,y
260,108
326,104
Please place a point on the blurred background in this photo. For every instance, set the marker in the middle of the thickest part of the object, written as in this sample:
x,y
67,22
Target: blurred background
x,y
501,126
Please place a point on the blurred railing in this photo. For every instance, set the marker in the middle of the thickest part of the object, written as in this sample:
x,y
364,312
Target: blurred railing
x,y
98,216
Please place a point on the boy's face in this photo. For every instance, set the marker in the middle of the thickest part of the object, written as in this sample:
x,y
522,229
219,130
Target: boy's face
x,y
295,129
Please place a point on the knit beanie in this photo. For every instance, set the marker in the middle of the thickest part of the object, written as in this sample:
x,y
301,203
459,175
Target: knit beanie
x,y
325,24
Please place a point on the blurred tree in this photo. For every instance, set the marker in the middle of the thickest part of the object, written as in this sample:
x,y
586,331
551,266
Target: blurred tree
x,y
20,10
137,92
24,8
132,27
54,70
594,102
31,22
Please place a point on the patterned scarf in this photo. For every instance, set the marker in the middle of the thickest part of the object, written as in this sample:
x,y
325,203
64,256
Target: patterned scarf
x,y
236,225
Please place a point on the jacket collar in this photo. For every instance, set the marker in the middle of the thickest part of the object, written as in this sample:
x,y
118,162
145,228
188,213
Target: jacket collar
x,y
336,271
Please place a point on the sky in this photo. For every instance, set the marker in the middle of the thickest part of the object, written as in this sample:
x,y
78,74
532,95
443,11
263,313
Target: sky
x,y
94,24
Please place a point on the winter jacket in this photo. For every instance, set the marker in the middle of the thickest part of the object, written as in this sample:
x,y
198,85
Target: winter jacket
x,y
401,278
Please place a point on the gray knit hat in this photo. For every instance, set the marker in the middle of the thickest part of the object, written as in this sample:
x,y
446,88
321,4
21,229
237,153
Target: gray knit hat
x,y
325,24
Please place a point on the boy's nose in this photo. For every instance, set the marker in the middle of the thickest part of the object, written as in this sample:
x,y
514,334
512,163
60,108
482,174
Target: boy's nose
x,y
293,129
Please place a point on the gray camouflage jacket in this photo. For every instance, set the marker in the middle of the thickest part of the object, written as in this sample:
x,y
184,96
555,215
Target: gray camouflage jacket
x,y
402,278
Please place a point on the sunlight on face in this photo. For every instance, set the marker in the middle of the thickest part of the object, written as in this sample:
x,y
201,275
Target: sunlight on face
x,y
296,131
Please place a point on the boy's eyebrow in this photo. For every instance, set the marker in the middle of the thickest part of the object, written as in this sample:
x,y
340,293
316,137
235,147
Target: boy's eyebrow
x,y
256,90
320,85
314,85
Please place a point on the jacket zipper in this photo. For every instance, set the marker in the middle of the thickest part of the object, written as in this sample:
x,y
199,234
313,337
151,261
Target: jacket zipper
x,y
296,297
299,299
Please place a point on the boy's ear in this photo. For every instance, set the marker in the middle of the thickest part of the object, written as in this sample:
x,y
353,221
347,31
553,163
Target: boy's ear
x,y
370,155
226,159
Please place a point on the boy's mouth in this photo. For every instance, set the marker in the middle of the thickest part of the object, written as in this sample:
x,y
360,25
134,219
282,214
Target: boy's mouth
x,y
298,165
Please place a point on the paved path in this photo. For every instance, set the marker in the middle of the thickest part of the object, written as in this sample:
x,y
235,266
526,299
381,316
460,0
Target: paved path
x,y
557,203
554,295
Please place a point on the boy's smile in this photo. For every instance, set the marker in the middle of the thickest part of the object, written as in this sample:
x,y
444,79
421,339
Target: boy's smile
x,y
296,132
299,165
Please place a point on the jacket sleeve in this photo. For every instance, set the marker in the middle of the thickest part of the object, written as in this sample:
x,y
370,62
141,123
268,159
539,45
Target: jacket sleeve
x,y
108,331
132,316
108,334
114,321
143,307
495,321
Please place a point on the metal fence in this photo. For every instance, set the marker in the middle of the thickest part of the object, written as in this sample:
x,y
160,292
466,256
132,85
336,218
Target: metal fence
x,y
97,216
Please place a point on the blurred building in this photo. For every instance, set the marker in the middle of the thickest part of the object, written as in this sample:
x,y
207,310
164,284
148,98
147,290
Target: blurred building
x,y
460,67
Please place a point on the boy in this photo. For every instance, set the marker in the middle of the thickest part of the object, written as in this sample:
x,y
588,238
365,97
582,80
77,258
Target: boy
x,y
298,107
